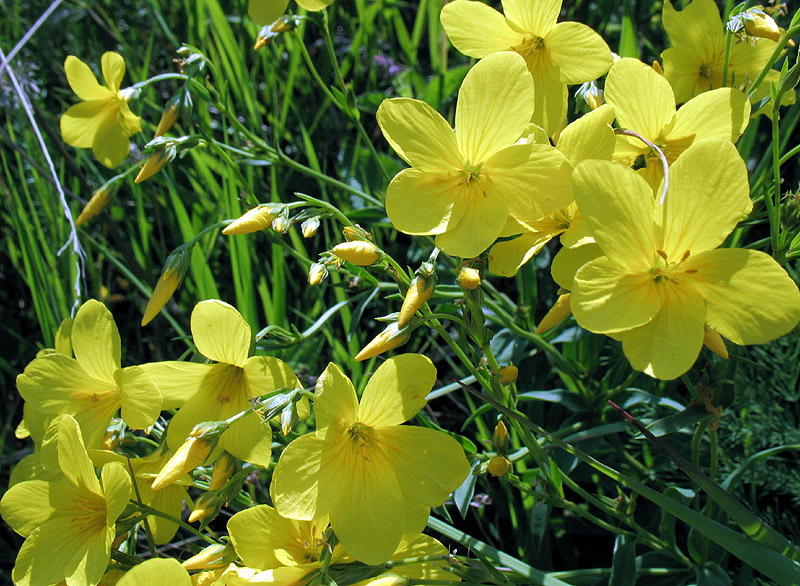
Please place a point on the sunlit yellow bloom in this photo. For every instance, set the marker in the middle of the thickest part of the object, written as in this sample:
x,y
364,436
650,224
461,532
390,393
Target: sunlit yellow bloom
x,y
463,185
92,386
662,279
68,523
103,121
362,468
557,54
218,391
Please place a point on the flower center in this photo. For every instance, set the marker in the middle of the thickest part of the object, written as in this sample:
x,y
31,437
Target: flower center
x,y
663,269
231,383
529,46
89,515
470,173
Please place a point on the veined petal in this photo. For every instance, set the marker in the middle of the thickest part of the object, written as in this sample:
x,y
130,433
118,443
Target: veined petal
x,y
483,212
264,12
708,195
117,489
111,145
477,30
52,553
177,381
249,439
747,60
589,137
535,180
429,464
419,135
721,113
494,106
63,449
750,299
642,99
567,261
608,298
697,26
411,191
157,571
29,504
688,72
295,482
265,374
220,332
168,500
617,205
368,518
397,390
113,66
141,400
667,347
549,95
335,403
83,82
128,122
81,122
536,18
580,53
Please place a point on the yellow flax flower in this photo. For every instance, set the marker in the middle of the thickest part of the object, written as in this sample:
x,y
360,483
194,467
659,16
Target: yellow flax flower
x,y
68,523
644,102
103,121
661,278
364,469
694,63
463,185
557,54
93,386
218,391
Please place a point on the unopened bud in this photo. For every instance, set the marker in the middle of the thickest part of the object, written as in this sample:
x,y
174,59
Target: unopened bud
x,y
498,466
508,374
500,437
418,293
558,313
358,252
316,273
154,164
269,31
657,67
289,418
223,470
714,342
281,223
760,24
468,279
259,218
390,337
192,453
174,270
310,227
97,203
168,117
207,505
594,101
354,233
213,556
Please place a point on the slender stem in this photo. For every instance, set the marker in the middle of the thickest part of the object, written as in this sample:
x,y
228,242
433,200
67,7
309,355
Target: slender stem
x,y
157,513
727,58
785,38
774,202
285,159
151,544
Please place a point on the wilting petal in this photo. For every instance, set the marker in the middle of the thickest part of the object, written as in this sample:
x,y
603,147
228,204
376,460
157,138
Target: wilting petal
x,y
83,82
220,332
412,191
607,298
580,53
668,346
419,134
494,106
476,29
397,390
750,299
642,99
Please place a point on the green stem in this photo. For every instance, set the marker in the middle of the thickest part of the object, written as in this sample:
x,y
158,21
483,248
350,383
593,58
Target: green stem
x,y
774,202
189,528
785,38
285,159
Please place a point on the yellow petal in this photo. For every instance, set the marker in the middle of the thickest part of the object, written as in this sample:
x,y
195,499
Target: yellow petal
x,y
689,73
63,450
476,29
567,261
580,53
550,96
157,571
698,25
295,482
83,82
536,18
494,106
113,70
95,341
82,122
722,113
750,299
669,345
141,399
220,332
559,312
421,203
314,5
176,381
264,12
397,390
117,489
589,137
507,257
419,135
642,99
111,144
335,403
28,504
249,439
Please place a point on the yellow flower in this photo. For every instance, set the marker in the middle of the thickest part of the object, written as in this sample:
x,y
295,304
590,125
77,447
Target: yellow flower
x,y
662,279
367,472
92,386
557,54
218,391
156,571
68,523
103,120
463,185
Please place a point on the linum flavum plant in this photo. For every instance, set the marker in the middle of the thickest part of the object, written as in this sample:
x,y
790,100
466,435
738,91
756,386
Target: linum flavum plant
x,y
355,351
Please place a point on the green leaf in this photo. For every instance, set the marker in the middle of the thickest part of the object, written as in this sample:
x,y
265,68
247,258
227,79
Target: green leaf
x,y
623,564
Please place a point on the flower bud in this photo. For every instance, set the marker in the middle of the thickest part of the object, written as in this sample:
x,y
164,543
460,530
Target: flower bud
x,y
154,163
259,218
594,101
168,117
213,556
354,233
97,203
207,505
174,270
657,67
468,279
390,337
316,273
223,470
558,313
500,437
508,374
714,342
418,293
269,31
281,223
310,227
760,24
189,456
358,252
498,466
